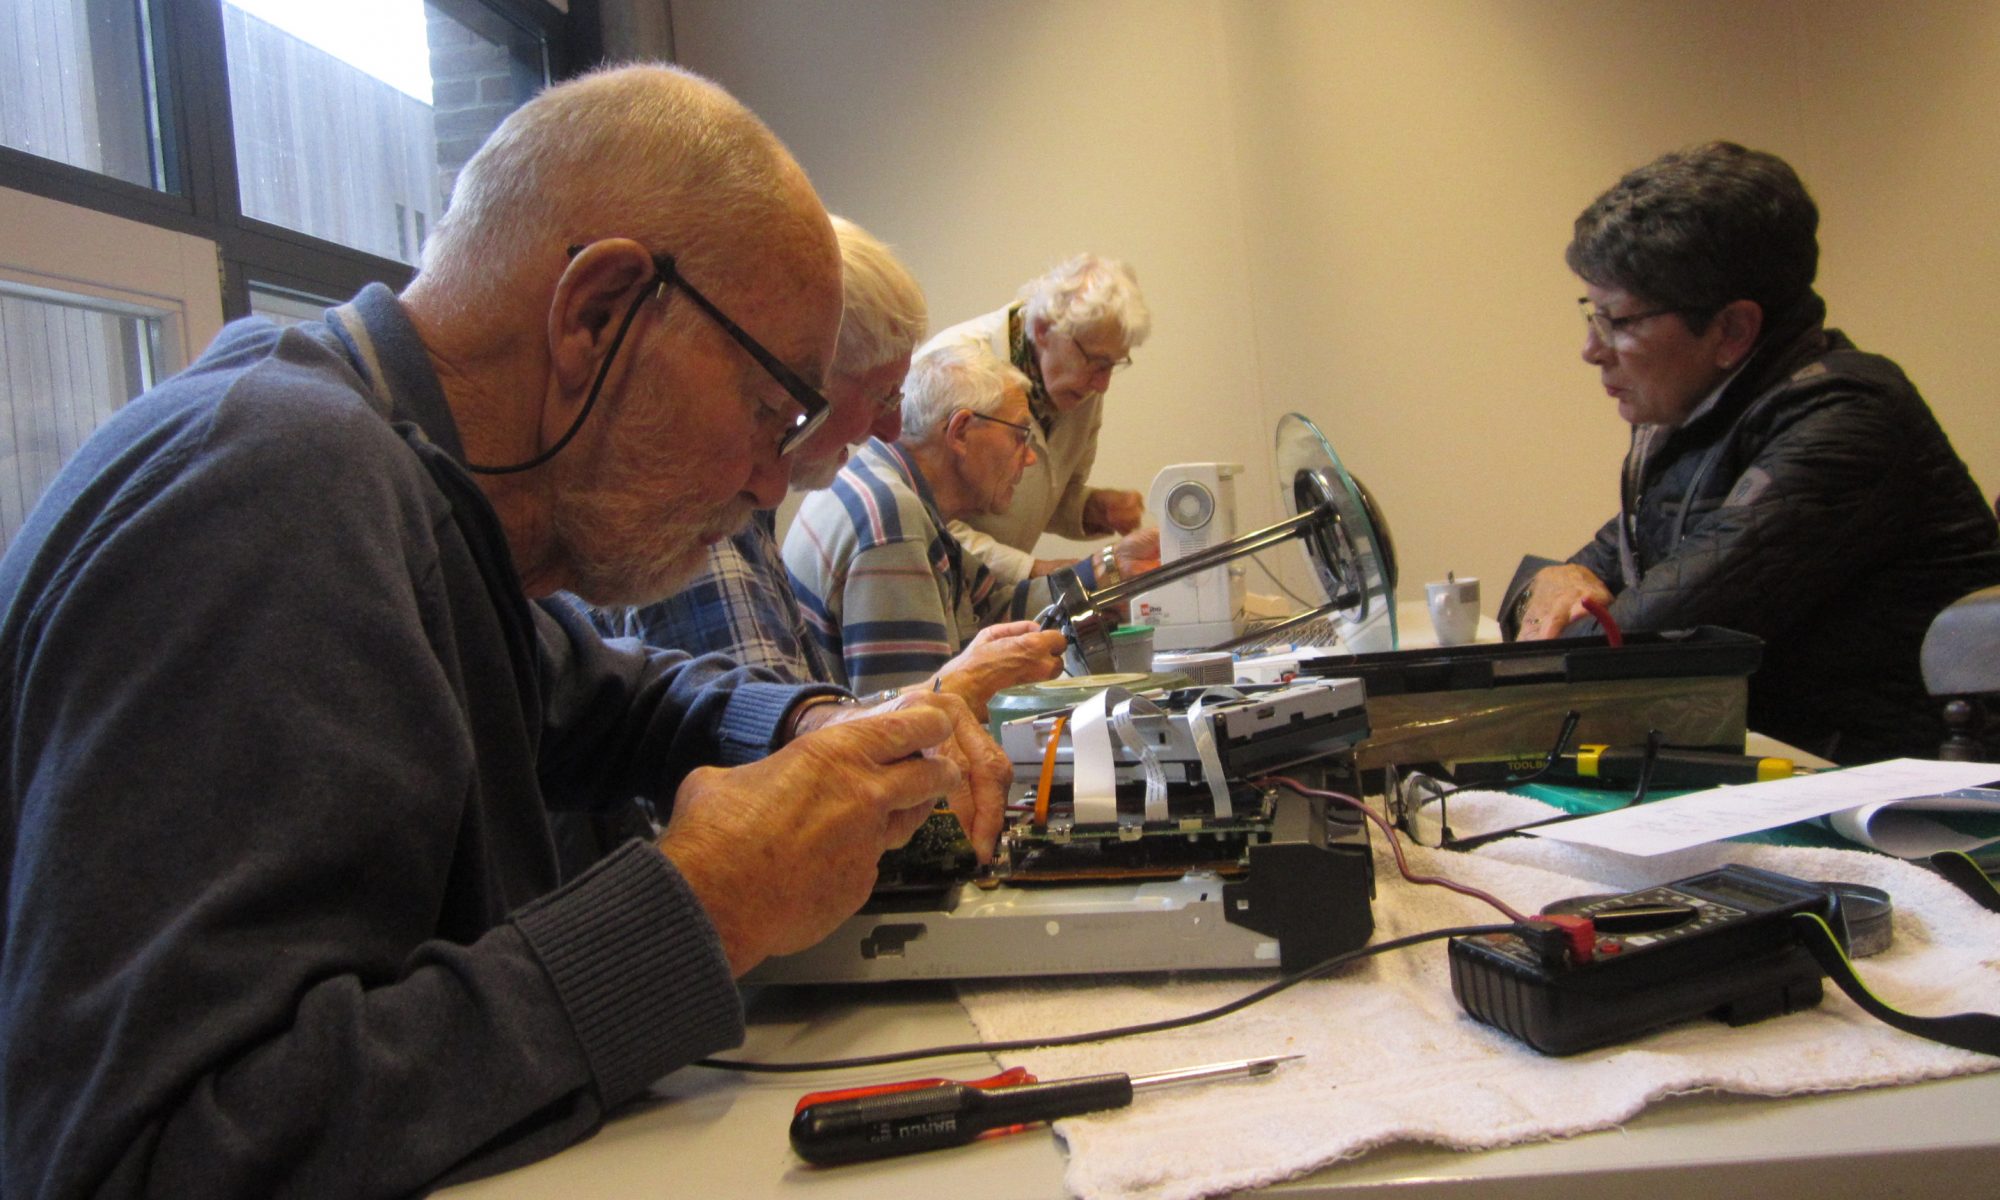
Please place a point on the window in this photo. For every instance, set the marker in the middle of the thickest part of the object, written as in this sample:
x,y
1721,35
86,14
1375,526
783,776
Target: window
x,y
287,308
76,86
94,309
66,363
314,143
236,143
348,118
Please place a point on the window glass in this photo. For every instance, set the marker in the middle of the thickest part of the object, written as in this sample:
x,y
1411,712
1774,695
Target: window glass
x,y
352,120
287,308
66,364
75,85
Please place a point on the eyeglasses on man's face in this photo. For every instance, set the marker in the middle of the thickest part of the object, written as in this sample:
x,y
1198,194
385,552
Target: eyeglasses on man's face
x,y
1606,326
1021,431
813,406
1098,362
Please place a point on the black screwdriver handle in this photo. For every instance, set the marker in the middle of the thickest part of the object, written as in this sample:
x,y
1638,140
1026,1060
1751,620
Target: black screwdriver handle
x,y
952,1114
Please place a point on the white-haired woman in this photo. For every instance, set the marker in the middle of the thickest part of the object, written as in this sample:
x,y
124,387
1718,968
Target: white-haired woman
x,y
1068,331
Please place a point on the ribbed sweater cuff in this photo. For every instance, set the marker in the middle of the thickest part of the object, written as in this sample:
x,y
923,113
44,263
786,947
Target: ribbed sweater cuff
x,y
756,713
639,969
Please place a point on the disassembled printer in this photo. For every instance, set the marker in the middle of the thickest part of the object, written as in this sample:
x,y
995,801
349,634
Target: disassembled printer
x,y
1137,840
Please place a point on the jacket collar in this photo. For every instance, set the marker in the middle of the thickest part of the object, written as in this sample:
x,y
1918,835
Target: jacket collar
x,y
392,360
1792,337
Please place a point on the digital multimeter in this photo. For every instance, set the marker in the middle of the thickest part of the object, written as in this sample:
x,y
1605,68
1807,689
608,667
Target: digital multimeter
x,y
1720,943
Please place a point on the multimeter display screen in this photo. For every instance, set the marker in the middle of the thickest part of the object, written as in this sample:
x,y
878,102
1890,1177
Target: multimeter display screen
x,y
1744,892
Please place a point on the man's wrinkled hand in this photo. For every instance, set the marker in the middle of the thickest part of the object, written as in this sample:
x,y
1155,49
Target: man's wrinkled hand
x,y
979,800
1137,552
1001,656
1108,511
1555,598
782,850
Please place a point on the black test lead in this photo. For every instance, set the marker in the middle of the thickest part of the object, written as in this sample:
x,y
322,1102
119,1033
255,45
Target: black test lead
x,y
878,1122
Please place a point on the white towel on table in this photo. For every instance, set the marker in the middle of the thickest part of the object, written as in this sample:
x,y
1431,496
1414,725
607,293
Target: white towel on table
x,y
1390,1057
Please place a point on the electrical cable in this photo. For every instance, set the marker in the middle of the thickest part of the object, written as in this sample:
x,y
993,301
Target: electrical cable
x,y
1395,844
657,286
1654,739
1571,720
1273,576
1978,1032
1516,919
1119,1031
1048,778
1614,636
1965,874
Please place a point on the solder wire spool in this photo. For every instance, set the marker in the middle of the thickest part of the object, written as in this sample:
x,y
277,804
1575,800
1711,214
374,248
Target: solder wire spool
x,y
1034,699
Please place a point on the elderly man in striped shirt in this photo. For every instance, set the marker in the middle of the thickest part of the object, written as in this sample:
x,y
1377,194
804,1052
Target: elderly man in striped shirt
x,y
886,589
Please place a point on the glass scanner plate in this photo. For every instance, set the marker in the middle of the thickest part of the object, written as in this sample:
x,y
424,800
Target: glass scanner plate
x,y
1351,554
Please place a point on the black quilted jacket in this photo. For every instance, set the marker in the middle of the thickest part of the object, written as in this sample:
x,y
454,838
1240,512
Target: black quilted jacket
x,y
1817,504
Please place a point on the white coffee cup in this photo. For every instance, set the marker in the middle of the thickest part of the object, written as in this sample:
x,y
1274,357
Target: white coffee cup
x,y
1454,606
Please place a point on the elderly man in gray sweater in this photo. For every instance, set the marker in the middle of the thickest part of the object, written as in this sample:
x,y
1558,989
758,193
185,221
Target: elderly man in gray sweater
x,y
287,703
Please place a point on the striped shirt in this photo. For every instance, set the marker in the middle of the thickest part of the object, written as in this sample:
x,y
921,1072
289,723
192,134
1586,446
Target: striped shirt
x,y
885,589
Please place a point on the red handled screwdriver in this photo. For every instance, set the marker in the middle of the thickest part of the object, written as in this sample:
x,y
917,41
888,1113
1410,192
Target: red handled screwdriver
x,y
878,1122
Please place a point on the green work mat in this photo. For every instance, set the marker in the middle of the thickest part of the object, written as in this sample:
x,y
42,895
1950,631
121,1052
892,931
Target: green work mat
x,y
1584,801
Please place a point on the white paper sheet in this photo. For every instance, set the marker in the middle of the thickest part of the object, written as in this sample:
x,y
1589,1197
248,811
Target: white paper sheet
x,y
1907,828
1660,826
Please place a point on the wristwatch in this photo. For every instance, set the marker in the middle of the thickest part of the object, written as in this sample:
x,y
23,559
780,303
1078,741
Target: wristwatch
x,y
799,710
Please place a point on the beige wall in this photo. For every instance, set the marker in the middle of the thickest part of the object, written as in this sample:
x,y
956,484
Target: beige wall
x,y
1358,209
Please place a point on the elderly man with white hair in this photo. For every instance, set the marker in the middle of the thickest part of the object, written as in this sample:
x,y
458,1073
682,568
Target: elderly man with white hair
x,y
743,605
885,587
289,698
1068,331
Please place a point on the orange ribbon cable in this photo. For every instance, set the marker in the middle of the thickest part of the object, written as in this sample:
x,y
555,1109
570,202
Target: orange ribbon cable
x,y
1048,778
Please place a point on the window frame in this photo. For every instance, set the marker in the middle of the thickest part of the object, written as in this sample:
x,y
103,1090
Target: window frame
x,y
198,154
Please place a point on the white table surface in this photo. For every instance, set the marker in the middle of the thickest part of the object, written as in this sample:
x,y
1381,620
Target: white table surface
x,y
710,1134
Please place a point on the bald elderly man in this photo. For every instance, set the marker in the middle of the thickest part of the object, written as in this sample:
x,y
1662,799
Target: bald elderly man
x,y
287,707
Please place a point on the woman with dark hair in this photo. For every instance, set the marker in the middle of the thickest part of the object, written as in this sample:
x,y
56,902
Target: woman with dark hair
x,y
1780,481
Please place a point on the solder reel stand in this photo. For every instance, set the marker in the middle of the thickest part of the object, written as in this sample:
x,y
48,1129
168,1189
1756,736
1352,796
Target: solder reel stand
x,y
1344,535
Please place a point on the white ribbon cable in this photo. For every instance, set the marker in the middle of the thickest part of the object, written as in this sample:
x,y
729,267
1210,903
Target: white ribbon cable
x,y
1093,763
1204,745
1125,724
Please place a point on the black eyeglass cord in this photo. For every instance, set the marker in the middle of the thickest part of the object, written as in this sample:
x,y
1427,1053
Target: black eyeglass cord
x,y
1447,841
590,401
